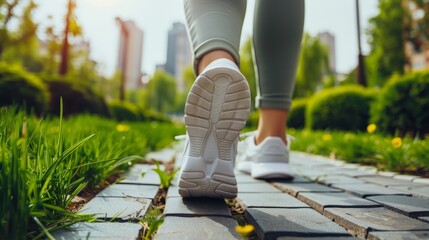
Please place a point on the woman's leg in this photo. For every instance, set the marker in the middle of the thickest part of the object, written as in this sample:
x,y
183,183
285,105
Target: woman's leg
x,y
215,30
277,34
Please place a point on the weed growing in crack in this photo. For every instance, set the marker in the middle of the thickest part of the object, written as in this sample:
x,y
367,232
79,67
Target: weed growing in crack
x,y
164,177
151,222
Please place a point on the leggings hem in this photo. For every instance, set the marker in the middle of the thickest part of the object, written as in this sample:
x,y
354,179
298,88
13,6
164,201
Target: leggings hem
x,y
283,104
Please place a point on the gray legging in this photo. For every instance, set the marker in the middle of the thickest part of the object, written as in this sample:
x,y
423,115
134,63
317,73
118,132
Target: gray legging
x,y
277,34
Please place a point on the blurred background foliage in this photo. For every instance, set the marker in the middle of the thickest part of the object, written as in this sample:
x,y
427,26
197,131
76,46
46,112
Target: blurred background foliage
x,y
37,79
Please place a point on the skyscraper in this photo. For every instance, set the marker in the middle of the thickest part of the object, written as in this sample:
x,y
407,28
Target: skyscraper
x,y
178,53
329,40
130,53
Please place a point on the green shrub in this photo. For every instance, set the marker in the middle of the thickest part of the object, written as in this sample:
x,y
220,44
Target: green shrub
x,y
403,105
76,98
124,111
150,115
296,115
20,87
342,108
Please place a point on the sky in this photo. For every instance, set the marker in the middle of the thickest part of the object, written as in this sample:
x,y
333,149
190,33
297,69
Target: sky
x,y
155,18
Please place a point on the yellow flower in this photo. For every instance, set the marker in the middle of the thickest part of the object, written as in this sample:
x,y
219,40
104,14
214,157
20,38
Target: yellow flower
x,y
244,230
122,128
371,128
396,142
327,137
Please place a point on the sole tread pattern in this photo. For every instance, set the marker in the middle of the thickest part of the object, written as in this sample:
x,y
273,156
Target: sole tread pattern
x,y
216,110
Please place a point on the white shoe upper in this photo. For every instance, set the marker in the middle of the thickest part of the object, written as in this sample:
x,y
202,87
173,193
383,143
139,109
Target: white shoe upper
x,y
269,159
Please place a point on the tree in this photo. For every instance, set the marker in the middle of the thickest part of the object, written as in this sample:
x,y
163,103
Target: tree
x,y
27,28
26,51
71,28
313,66
160,92
386,37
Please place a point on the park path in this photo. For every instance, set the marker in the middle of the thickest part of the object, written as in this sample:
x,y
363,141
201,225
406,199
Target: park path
x,y
329,199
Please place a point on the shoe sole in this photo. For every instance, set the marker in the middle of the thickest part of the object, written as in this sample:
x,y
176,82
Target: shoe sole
x,y
216,110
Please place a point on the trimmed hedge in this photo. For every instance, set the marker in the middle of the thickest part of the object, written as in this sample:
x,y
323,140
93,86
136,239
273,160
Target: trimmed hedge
x,y
76,98
296,115
124,111
22,88
342,108
403,105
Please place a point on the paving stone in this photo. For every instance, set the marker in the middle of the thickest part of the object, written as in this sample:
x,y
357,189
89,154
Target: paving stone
x,y
165,155
353,173
409,235
424,219
134,175
339,179
177,206
245,178
387,173
270,200
313,172
419,191
271,223
367,189
421,180
350,166
149,178
173,191
118,208
129,190
367,169
110,230
387,181
410,206
258,187
320,201
295,188
196,228
405,177
359,221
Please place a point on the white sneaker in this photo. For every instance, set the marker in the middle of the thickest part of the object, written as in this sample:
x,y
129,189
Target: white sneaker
x,y
267,160
216,110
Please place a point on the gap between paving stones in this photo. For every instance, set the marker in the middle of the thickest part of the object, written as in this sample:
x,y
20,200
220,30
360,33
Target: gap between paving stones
x,y
122,204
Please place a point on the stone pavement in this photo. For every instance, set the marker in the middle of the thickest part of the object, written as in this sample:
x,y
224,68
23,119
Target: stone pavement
x,y
329,199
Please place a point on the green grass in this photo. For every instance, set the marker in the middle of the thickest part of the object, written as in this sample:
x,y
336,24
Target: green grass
x,y
405,155
45,163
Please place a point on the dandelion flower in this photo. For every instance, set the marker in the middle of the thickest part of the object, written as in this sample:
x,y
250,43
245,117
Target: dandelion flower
x,y
396,142
122,128
327,137
371,128
244,230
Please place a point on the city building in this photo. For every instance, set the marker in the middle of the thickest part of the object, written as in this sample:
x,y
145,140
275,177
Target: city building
x,y
178,53
329,40
130,53
417,46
